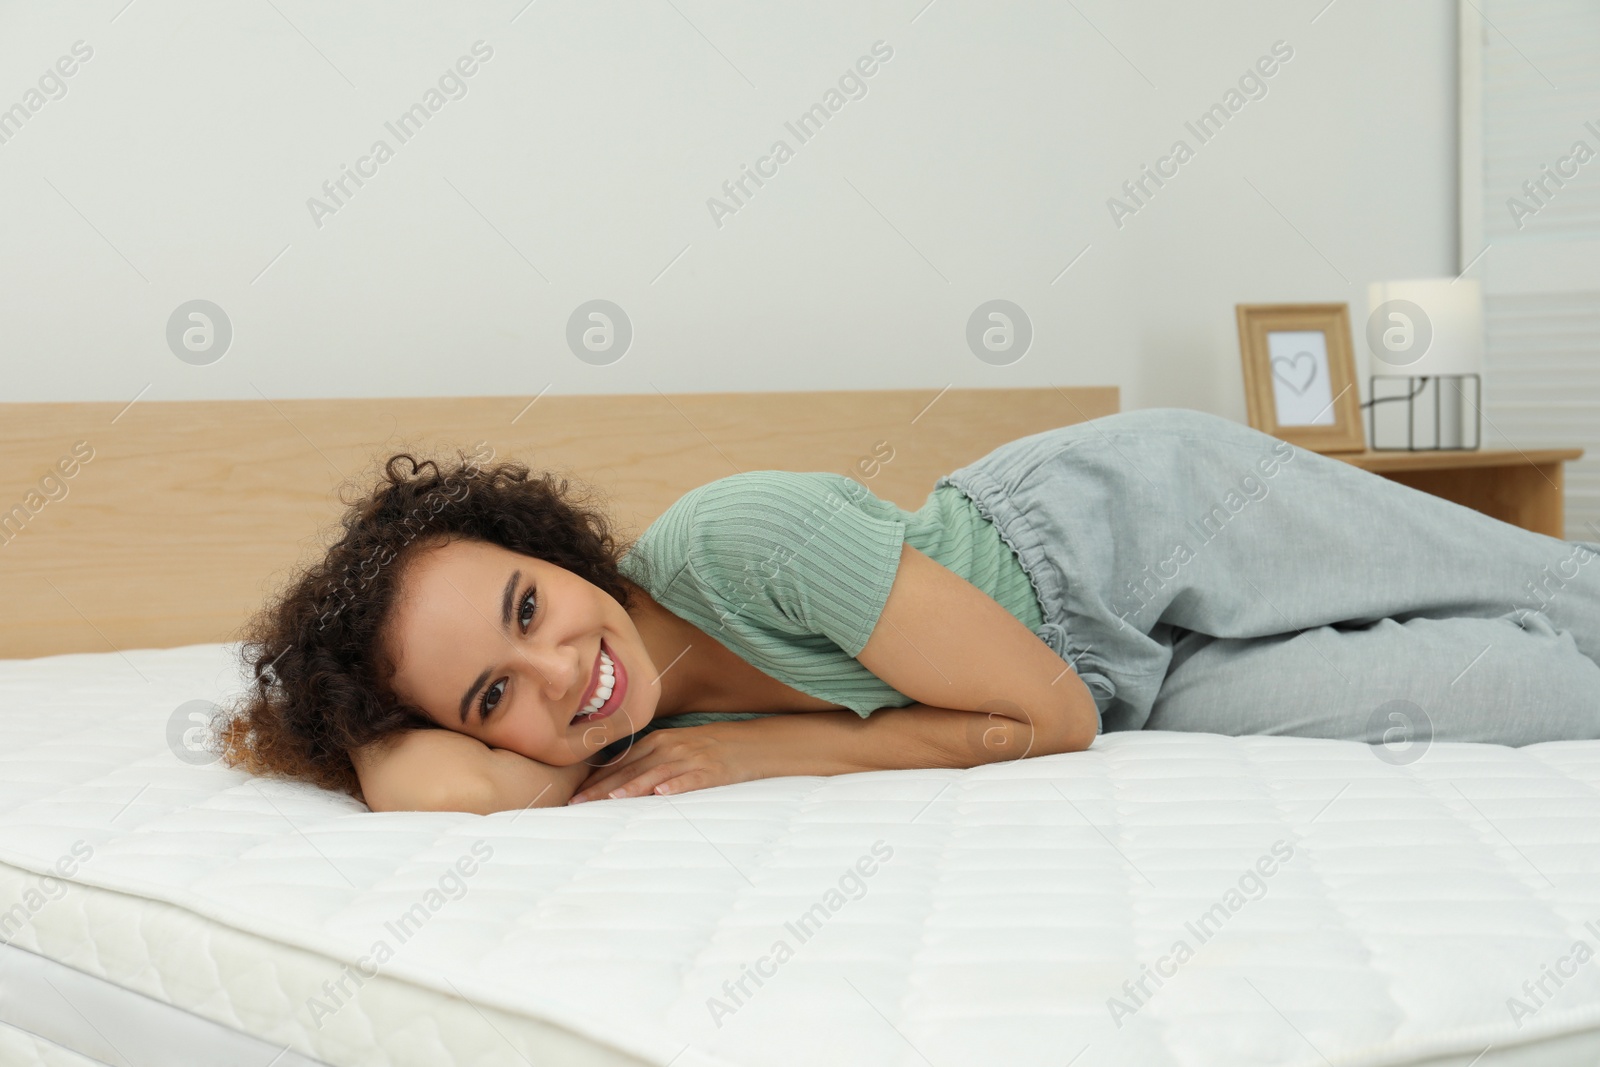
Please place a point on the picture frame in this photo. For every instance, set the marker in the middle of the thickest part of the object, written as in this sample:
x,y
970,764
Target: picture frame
x,y
1300,374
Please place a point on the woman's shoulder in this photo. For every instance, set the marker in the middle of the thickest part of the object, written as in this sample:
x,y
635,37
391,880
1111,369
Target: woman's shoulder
x,y
763,496
761,484
736,509
749,519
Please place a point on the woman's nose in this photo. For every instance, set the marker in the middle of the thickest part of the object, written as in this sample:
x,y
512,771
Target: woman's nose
x,y
560,669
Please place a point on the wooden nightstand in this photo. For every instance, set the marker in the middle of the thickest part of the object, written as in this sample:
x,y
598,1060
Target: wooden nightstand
x,y
1519,487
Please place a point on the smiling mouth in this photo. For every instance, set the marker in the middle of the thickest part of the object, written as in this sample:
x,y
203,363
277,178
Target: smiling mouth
x,y
608,685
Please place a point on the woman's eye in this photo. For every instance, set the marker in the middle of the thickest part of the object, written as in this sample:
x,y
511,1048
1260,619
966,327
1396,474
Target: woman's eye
x,y
526,609
491,699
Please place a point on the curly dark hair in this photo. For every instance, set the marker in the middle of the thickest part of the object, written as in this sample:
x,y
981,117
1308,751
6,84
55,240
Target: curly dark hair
x,y
322,675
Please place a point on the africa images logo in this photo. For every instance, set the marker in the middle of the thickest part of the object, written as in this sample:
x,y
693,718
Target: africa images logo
x,y
999,332
199,332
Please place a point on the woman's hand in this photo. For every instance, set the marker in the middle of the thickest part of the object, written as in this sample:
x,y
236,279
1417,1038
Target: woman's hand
x,y
682,758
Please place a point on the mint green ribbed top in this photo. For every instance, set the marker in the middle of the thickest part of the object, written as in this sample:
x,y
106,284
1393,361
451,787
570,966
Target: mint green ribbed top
x,y
791,570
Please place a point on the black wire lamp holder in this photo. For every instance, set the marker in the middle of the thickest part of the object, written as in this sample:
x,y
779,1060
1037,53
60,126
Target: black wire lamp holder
x,y
1427,401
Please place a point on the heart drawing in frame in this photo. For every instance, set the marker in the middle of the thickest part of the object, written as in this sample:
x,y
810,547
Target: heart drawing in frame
x,y
1300,375
1287,370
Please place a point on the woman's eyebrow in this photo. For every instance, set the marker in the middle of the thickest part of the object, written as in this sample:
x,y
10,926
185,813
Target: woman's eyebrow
x,y
467,699
505,624
505,601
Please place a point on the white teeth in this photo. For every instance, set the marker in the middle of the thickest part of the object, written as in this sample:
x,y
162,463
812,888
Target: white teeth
x,y
602,691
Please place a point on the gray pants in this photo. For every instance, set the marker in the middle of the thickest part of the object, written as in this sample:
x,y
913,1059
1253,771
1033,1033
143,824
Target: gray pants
x,y
1201,575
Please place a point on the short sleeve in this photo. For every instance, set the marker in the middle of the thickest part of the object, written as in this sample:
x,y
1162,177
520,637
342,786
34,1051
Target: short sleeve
x,y
800,553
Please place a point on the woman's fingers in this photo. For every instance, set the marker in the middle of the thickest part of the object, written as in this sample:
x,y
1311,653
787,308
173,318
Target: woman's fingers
x,y
602,780
684,782
672,765
635,752
632,784
598,785
610,773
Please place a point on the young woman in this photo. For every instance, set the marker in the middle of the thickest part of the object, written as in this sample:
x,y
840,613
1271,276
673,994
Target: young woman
x,y
477,640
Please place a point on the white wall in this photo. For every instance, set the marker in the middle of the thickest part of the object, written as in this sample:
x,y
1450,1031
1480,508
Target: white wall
x,y
179,163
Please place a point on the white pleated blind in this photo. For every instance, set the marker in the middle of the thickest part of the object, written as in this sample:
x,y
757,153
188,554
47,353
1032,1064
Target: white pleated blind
x,y
1541,96
1544,358
1530,160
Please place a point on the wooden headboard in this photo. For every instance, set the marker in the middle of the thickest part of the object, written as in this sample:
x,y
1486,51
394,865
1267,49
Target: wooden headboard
x,y
186,513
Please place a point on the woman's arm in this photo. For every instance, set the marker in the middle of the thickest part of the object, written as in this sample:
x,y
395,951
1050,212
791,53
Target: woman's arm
x,y
946,643
816,742
442,770
988,689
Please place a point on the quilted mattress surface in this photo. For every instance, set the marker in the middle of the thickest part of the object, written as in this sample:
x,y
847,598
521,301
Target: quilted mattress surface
x,y
1159,899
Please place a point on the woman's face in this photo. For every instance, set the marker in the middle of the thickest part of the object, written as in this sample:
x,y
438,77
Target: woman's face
x,y
507,648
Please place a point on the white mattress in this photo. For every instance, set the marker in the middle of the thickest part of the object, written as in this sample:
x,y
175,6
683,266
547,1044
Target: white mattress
x,y
19,1046
1004,909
